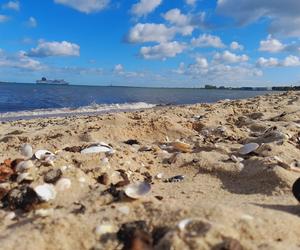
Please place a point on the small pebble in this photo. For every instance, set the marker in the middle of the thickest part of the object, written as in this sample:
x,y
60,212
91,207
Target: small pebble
x,y
53,175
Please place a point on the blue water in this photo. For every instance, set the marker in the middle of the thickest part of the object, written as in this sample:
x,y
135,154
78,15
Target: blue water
x,y
27,97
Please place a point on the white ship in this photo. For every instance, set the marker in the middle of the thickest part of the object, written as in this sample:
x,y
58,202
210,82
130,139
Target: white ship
x,y
52,82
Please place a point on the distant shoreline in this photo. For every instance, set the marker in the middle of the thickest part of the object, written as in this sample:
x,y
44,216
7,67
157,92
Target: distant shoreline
x,y
284,88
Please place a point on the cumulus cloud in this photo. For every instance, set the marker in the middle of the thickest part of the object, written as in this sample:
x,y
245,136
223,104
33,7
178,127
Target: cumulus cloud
x,y
228,57
271,45
206,40
85,6
289,61
12,5
236,46
162,51
3,18
144,7
150,32
284,15
32,22
19,61
47,49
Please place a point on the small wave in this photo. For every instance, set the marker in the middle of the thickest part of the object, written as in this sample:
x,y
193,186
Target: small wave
x,y
90,109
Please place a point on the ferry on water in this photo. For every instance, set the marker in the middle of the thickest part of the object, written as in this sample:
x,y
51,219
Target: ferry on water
x,y
52,82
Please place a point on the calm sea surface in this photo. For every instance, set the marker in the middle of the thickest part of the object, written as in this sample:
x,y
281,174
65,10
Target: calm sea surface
x,y
31,97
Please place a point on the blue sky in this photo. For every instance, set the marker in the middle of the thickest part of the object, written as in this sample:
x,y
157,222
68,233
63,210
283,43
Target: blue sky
x,y
151,42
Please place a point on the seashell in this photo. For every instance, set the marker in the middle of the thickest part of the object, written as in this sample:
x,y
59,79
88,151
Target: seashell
x,y
105,229
176,178
24,177
248,148
159,176
124,210
182,146
46,192
10,216
145,149
24,166
295,164
193,227
43,154
26,150
63,184
52,175
44,212
236,159
97,148
137,190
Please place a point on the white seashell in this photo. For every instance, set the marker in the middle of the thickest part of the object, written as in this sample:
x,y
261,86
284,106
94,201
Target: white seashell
x,y
24,166
82,180
105,229
24,177
10,216
99,148
124,210
183,223
63,184
159,176
248,148
44,212
26,150
43,154
137,190
46,192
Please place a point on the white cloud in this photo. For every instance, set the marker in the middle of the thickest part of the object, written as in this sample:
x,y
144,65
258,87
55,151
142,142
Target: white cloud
x,y
150,32
270,62
120,71
191,2
206,40
144,7
85,6
3,18
236,46
289,61
284,15
31,23
175,16
228,57
271,45
46,49
202,62
12,5
162,51
20,61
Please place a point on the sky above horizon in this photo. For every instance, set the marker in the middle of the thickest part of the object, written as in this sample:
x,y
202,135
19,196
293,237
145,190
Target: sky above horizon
x,y
170,43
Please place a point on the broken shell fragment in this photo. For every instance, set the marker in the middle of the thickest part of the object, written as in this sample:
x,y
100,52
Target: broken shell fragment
x,y
44,212
248,148
24,177
194,227
46,192
52,175
26,150
43,154
5,173
24,166
176,178
137,190
182,146
105,229
63,184
97,148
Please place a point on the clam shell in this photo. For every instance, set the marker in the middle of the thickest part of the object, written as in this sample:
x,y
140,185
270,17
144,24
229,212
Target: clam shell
x,y
98,148
248,148
24,177
43,154
24,166
26,150
137,190
63,184
46,192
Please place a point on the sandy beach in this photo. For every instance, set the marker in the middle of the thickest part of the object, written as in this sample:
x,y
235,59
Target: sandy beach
x,y
223,196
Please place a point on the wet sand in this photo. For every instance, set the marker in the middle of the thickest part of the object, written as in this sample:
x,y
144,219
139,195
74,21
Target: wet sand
x,y
232,203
